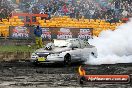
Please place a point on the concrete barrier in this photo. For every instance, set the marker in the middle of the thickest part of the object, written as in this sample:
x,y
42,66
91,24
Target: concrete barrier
x,y
12,56
16,42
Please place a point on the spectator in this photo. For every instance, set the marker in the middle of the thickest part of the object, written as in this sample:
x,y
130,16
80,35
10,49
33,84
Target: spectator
x,y
42,11
38,38
125,13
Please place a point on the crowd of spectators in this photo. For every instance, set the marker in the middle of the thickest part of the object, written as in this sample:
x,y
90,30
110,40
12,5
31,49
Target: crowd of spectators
x,y
115,10
109,10
5,9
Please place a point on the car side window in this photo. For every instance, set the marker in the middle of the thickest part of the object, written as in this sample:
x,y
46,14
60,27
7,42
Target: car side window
x,y
86,42
74,44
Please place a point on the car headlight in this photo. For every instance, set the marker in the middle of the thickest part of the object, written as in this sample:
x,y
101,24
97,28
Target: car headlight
x,y
42,53
33,54
56,54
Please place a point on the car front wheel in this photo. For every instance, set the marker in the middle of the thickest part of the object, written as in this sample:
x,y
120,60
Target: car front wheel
x,y
67,60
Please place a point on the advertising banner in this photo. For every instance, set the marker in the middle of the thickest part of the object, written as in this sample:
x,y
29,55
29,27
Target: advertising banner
x,y
51,33
19,32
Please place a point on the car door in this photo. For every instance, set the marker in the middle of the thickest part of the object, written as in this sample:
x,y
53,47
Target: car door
x,y
85,51
76,51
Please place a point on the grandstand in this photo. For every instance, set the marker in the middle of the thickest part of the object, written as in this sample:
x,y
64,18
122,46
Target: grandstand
x,y
73,14
63,21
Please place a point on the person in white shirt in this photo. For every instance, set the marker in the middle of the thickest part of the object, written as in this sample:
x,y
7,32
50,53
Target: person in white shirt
x,y
42,11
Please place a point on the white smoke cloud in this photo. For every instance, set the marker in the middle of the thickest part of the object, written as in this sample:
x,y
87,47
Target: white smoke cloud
x,y
113,46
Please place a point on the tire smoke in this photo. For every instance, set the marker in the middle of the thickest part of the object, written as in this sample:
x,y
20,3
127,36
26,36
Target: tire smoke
x,y
113,46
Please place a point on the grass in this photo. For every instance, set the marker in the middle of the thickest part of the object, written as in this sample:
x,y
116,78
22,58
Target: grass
x,y
11,48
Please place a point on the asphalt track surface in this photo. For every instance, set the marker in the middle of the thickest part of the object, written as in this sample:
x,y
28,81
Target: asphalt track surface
x,y
25,75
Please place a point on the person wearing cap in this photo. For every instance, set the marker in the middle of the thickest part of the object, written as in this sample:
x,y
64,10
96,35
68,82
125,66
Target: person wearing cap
x,y
38,38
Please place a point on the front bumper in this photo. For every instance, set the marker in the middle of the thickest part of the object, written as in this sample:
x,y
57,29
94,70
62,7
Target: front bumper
x,y
52,58
45,62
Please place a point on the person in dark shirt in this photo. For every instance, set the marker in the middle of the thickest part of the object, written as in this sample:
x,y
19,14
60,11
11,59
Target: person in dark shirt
x,y
38,38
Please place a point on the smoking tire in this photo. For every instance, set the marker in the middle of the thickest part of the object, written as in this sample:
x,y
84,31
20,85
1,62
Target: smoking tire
x,y
67,60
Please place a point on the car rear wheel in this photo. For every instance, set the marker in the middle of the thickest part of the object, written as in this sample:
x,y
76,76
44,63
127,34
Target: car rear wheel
x,y
67,60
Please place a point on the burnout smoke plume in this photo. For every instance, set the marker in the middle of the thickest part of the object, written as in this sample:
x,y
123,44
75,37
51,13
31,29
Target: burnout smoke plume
x,y
113,46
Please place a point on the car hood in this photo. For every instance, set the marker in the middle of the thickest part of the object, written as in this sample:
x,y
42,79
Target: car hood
x,y
55,50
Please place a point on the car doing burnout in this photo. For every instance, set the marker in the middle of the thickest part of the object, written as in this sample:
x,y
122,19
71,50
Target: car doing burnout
x,y
64,51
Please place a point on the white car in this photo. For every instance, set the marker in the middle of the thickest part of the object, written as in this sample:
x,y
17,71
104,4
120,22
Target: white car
x,y
64,51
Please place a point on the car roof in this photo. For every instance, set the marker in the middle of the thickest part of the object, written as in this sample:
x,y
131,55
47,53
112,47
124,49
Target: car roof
x,y
75,39
70,39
